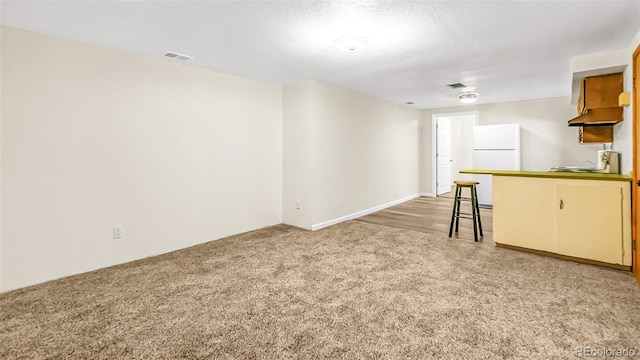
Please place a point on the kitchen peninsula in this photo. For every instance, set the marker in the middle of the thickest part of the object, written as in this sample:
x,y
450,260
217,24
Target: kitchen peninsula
x,y
584,217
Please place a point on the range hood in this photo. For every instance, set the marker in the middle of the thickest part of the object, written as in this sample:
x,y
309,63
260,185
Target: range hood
x,y
598,117
598,103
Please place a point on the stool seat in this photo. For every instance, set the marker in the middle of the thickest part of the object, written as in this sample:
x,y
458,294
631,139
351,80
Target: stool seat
x,y
465,183
475,208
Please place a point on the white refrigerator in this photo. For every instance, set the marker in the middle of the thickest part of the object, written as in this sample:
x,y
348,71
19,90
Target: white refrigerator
x,y
495,147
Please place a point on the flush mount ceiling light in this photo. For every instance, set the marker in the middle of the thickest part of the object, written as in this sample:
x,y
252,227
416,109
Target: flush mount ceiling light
x,y
468,98
351,43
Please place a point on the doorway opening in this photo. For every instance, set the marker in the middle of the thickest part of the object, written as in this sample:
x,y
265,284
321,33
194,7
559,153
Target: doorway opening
x,y
451,149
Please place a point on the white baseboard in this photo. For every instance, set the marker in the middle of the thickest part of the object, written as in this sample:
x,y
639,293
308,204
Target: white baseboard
x,y
362,212
427,194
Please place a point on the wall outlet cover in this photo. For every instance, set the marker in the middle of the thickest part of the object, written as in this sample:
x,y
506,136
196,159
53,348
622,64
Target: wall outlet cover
x,y
117,232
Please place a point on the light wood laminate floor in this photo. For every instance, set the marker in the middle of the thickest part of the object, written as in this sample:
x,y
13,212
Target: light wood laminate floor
x,y
433,216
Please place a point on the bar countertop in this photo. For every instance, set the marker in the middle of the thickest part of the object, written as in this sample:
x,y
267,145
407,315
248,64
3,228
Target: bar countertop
x,y
550,174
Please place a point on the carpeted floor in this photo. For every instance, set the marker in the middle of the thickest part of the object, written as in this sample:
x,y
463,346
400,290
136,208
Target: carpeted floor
x,y
353,291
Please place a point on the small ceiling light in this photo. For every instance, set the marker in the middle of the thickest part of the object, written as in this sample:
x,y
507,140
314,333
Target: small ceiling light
x,y
351,43
468,98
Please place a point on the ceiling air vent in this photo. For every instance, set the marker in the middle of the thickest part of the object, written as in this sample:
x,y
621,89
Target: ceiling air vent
x,y
175,55
457,86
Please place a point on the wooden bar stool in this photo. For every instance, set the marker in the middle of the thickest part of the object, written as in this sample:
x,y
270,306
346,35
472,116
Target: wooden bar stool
x,y
475,208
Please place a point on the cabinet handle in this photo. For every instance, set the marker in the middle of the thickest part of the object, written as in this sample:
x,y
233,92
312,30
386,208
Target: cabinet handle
x,y
561,204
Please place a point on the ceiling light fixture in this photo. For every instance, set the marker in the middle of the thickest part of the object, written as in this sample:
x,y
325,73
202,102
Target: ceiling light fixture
x,y
468,98
351,43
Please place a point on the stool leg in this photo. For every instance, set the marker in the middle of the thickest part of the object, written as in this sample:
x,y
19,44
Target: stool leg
x,y
474,206
478,210
459,194
453,214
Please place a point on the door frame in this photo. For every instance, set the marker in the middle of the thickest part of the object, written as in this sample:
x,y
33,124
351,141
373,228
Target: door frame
x,y
635,118
434,139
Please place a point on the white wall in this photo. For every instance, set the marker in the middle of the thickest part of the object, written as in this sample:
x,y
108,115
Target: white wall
x,y
297,162
93,137
546,140
356,146
361,145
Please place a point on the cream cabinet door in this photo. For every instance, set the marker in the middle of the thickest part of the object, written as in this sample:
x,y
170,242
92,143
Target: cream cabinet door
x,y
590,220
523,212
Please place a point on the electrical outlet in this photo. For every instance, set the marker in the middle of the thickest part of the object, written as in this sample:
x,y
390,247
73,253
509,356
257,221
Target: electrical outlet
x,y
298,204
117,231
340,200
379,191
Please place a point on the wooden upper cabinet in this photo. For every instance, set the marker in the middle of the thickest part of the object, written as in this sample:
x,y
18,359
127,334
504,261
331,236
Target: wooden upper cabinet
x,y
599,92
581,109
595,134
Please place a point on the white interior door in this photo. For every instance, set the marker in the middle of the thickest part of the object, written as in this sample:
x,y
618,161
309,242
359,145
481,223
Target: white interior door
x,y
443,155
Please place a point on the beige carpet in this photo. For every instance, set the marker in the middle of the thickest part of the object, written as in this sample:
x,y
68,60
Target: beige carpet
x,y
351,291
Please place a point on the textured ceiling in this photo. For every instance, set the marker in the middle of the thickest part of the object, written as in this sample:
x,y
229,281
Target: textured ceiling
x,y
506,50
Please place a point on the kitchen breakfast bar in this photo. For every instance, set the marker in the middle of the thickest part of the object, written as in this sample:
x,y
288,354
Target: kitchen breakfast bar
x,y
579,216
